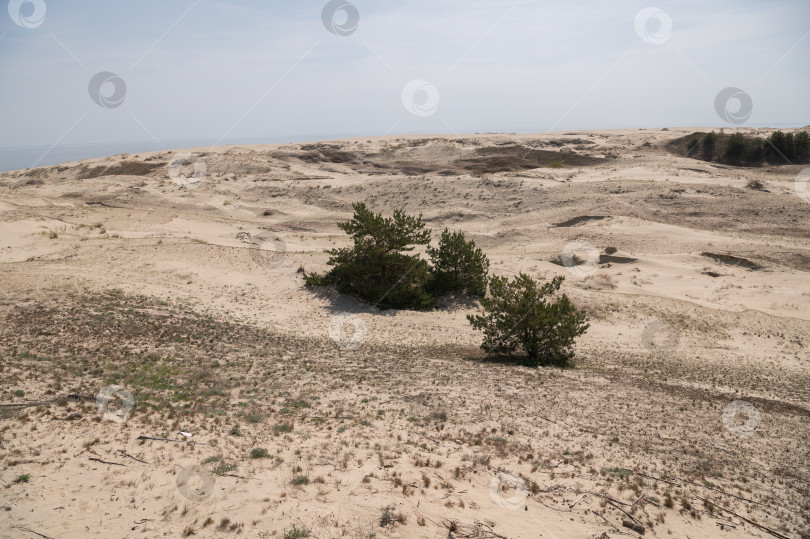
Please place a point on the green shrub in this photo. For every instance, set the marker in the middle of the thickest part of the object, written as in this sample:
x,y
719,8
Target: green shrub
x,y
755,150
708,145
300,480
735,147
296,533
377,269
259,453
692,146
802,146
519,315
781,147
458,266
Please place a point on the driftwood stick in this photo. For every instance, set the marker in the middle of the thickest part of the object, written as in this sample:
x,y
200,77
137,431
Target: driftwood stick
x,y
718,490
106,462
629,515
25,405
597,513
431,439
130,456
29,530
633,526
656,478
576,502
748,520
142,437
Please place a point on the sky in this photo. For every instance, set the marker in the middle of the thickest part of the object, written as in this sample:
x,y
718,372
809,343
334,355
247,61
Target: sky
x,y
219,70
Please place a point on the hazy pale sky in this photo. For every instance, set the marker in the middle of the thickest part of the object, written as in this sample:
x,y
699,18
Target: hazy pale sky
x,y
220,70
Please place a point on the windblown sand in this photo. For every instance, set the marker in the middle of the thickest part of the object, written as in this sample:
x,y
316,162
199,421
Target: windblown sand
x,y
186,291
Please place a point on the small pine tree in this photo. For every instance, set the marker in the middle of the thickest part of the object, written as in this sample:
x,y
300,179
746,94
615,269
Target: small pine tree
x,y
802,146
458,266
735,147
708,145
519,315
377,269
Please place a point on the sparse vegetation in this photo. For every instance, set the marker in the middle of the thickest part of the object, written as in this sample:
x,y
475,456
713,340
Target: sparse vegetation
x,y
778,148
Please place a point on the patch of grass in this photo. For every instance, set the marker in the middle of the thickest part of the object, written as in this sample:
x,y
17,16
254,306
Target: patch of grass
x,y
755,184
296,532
223,467
556,164
439,416
620,472
390,517
300,480
259,453
22,478
282,428
18,393
235,431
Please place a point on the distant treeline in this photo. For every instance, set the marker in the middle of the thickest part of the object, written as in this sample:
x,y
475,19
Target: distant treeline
x,y
737,149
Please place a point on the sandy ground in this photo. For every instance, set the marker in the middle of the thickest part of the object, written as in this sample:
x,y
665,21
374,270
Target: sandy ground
x,y
175,277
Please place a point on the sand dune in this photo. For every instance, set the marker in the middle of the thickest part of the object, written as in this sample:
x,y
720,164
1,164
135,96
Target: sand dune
x,y
181,283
